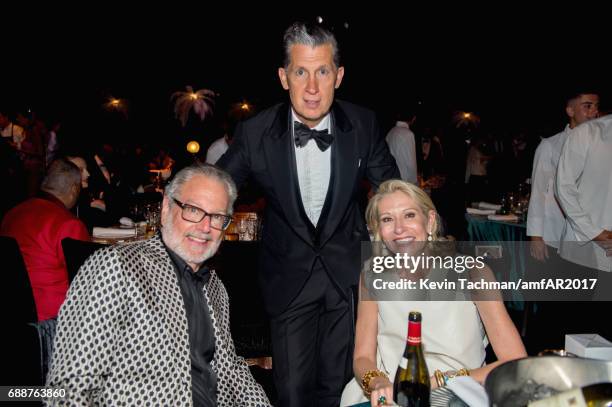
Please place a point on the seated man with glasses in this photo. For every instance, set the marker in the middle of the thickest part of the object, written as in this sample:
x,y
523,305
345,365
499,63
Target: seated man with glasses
x,y
148,322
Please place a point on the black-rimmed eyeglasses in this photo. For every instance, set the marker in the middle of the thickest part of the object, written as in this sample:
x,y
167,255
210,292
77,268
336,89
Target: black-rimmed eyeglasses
x,y
194,214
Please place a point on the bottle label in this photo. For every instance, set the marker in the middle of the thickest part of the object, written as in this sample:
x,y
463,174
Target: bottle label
x,y
414,333
571,398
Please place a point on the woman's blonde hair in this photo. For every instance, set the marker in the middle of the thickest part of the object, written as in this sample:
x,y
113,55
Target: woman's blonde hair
x,y
419,196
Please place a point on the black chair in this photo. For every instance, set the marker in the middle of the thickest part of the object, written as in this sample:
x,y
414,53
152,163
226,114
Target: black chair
x,y
20,349
17,298
76,252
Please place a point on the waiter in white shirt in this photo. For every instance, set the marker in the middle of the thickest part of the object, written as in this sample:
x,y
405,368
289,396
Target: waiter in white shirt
x,y
545,220
584,189
400,140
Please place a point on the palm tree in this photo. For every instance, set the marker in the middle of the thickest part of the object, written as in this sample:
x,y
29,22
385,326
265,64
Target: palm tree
x,y
200,101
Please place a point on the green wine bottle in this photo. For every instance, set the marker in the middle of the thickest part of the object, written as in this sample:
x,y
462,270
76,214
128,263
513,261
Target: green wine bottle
x,y
411,386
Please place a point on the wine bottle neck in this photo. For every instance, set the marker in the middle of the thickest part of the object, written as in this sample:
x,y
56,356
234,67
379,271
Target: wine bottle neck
x,y
414,333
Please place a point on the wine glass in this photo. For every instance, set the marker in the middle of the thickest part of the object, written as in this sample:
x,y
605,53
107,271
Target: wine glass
x,y
242,228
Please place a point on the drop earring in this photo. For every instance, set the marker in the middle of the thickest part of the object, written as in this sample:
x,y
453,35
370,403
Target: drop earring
x,y
429,237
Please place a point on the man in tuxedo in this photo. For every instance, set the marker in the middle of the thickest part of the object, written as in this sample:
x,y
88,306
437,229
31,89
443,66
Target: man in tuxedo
x,y
310,157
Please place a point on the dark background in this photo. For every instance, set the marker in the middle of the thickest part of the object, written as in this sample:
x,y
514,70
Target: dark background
x,y
511,65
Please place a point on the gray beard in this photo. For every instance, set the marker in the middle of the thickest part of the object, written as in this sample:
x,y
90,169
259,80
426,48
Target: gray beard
x,y
173,242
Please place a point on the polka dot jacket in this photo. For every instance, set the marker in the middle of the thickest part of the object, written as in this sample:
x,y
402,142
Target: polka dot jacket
x,y
122,335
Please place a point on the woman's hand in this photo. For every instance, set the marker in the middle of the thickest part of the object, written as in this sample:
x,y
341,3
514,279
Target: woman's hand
x,y
433,382
381,387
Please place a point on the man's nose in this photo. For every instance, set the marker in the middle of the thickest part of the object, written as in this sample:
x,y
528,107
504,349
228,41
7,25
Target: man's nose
x,y
313,85
204,225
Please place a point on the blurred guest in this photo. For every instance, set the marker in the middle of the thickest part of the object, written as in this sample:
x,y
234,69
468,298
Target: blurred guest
x,y
107,190
545,220
148,322
401,142
32,151
310,156
39,225
404,219
160,168
162,160
432,161
11,173
218,148
510,169
521,160
14,133
80,162
476,176
135,171
91,211
53,144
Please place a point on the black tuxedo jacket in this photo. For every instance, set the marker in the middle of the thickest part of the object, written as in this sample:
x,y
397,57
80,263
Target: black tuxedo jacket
x,y
263,148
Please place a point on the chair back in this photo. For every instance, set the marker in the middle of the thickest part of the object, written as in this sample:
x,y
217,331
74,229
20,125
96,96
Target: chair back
x,y
16,296
76,252
20,350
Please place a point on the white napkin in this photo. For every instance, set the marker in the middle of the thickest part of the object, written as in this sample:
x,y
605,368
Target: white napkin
x,y
469,390
507,218
486,205
113,232
476,211
125,221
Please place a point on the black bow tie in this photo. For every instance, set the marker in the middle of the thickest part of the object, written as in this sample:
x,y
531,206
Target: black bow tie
x,y
303,134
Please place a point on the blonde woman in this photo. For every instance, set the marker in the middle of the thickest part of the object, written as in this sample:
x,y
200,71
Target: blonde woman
x,y
454,333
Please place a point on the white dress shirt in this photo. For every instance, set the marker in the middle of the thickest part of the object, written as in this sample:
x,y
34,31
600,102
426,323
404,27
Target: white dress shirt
x,y
216,150
314,171
545,218
584,189
400,140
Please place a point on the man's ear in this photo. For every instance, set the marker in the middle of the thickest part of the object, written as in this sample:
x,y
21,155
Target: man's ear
x,y
339,77
165,211
570,111
282,75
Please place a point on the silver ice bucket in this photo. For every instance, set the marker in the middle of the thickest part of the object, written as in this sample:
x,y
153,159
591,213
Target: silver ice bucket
x,y
508,383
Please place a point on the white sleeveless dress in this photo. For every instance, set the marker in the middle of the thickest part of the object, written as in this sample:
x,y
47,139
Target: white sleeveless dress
x,y
452,333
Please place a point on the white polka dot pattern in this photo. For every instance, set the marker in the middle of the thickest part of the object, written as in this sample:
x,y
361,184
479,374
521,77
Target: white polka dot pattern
x,y
122,336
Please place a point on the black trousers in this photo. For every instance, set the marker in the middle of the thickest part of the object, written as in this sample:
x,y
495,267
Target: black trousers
x,y
312,344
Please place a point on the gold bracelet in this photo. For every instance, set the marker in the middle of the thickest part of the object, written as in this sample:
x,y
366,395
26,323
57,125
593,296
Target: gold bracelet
x,y
450,374
367,378
439,378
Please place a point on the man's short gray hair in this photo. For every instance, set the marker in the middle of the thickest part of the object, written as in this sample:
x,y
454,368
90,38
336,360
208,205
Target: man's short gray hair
x,y
312,35
62,176
207,170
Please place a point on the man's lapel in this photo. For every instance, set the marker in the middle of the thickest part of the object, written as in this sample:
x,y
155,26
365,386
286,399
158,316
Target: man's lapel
x,y
168,297
280,159
344,167
219,311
